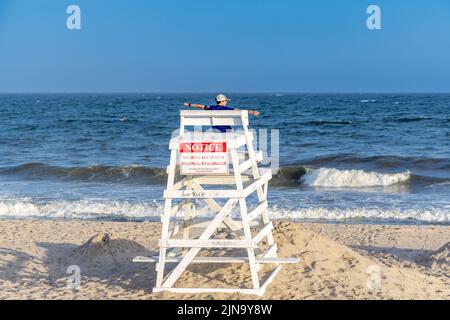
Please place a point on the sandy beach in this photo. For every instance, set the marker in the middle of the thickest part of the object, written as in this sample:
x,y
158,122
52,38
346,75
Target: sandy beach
x,y
338,261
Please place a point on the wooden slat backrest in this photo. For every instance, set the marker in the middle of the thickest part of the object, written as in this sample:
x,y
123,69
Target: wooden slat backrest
x,y
213,118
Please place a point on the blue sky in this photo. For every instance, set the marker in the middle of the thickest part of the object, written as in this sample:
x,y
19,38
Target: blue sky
x,y
230,46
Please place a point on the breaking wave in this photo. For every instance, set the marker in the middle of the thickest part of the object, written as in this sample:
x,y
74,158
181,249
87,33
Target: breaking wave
x,y
329,177
100,173
328,171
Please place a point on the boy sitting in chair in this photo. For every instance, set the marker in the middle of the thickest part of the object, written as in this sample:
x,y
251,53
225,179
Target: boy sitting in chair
x,y
221,104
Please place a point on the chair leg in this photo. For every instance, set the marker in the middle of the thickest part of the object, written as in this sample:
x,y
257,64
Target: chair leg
x,y
250,251
164,235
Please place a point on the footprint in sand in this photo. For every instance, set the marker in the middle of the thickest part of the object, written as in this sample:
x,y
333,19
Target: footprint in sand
x,y
350,261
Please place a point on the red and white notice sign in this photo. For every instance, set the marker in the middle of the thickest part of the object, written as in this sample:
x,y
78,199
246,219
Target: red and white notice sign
x,y
202,158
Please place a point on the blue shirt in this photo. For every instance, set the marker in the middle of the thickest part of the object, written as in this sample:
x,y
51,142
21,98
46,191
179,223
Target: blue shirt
x,y
220,128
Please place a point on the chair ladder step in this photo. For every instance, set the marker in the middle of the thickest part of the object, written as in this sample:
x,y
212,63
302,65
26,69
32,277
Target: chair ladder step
x,y
263,233
154,259
257,211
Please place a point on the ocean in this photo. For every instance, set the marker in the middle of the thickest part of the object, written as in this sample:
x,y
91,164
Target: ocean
x,y
343,157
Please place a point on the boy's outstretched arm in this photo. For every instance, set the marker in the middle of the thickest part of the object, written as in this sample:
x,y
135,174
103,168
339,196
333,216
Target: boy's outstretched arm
x,y
193,105
252,112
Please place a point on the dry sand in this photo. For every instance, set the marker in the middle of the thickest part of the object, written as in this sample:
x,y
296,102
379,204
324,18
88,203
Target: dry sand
x,y
338,261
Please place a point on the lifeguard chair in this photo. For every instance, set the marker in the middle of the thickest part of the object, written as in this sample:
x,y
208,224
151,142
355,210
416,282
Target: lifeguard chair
x,y
205,160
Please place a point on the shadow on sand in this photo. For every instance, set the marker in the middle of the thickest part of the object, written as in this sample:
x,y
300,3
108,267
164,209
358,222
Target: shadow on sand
x,y
110,265
416,256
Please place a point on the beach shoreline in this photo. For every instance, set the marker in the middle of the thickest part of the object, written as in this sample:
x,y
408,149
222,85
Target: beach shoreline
x,y
337,261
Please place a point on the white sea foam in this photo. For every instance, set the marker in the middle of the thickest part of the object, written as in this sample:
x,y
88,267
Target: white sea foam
x,y
91,209
84,209
99,209
428,215
330,177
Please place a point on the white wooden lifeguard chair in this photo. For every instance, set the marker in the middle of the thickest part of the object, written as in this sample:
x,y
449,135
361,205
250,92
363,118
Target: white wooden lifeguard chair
x,y
203,158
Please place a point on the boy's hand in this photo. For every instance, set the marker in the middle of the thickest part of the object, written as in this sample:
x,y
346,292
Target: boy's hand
x,y
254,112
187,104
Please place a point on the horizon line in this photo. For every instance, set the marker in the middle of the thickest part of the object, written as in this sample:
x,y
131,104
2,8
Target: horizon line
x,y
228,92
